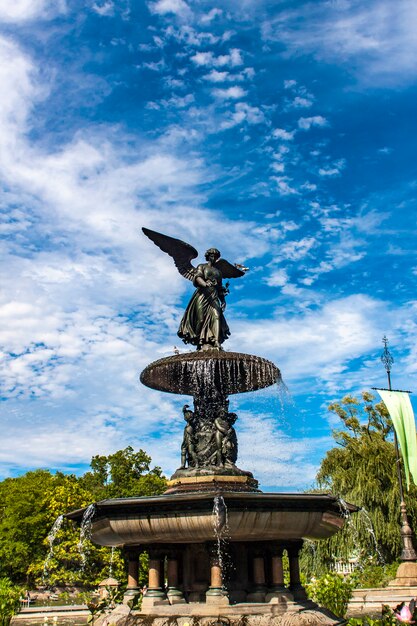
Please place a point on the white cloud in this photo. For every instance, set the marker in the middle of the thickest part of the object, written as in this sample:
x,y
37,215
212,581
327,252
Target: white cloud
x,y
277,278
305,123
375,40
334,169
327,337
26,10
211,15
281,133
176,7
105,8
244,113
301,103
208,59
232,93
216,77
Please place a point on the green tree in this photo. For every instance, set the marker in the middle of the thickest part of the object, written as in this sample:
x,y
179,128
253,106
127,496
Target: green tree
x,y
361,469
24,522
31,503
125,473
9,600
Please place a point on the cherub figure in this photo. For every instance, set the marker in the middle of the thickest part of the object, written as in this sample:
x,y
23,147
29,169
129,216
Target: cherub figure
x,y
203,323
225,437
188,453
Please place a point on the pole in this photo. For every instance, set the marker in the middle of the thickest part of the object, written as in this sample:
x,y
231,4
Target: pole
x,y
408,552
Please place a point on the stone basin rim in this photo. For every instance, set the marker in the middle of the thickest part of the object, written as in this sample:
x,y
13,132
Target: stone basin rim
x,y
154,374
234,500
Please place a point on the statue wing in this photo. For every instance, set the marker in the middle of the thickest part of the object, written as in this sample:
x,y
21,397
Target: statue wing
x,y
228,270
181,252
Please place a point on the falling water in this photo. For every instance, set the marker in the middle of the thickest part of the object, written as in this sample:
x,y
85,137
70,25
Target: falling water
x,y
364,516
85,532
111,562
370,529
51,540
221,532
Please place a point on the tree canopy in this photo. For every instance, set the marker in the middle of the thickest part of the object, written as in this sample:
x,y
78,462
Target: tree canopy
x,y
362,469
32,502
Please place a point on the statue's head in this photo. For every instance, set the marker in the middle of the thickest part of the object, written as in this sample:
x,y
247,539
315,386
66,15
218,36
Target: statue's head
x,y
212,254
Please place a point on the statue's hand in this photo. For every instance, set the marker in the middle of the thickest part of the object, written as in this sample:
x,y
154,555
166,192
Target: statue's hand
x,y
223,306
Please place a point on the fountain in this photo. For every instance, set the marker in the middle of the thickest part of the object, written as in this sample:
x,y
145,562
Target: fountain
x,y
213,513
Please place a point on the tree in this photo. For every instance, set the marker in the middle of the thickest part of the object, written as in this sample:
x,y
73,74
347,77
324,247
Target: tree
x,y
24,522
31,503
125,473
361,469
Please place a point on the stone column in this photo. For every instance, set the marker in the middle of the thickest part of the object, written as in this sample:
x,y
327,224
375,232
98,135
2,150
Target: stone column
x,y
296,587
155,593
216,593
133,589
277,588
258,591
175,595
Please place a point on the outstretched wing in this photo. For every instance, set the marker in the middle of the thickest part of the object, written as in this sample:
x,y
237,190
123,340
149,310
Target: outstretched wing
x,y
228,270
181,252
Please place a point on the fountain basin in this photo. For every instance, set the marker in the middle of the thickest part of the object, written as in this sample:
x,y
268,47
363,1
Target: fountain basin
x,y
230,372
189,518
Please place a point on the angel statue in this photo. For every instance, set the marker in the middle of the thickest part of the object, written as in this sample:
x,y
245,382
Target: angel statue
x,y
203,323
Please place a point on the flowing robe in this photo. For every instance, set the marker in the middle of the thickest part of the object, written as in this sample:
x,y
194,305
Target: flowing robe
x,y
203,321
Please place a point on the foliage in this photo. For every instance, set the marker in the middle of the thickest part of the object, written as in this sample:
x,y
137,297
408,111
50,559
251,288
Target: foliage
x,y
9,600
362,469
331,591
123,474
32,502
24,522
371,575
367,621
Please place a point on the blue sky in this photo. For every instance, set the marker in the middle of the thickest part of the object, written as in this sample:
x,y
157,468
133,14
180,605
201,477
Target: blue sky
x,y
280,132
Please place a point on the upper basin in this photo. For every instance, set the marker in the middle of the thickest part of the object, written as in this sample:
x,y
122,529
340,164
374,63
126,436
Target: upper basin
x,y
229,372
190,519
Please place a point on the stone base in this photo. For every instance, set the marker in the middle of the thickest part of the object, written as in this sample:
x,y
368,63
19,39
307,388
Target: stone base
x,y
286,613
151,601
406,575
207,479
370,601
279,612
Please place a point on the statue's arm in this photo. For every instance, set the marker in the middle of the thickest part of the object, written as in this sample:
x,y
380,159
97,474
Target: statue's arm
x,y
199,280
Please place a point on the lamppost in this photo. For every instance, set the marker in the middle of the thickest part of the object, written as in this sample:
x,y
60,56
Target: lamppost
x,y
408,552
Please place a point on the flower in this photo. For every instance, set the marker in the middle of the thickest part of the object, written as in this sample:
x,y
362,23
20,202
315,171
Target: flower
x,y
404,616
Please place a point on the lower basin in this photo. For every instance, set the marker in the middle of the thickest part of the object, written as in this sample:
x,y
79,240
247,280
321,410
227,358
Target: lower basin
x,y
189,518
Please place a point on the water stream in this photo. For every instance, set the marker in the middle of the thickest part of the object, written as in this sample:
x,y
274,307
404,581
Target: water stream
x,y
51,540
366,520
85,532
222,534
111,562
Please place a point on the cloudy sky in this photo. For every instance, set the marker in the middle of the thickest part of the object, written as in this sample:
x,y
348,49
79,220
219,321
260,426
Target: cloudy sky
x,y
282,133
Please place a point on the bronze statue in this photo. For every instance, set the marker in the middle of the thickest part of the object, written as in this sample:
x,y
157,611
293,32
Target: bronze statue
x,y
225,437
203,323
188,453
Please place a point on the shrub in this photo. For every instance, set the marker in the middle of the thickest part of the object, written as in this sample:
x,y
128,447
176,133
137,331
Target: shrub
x,y
331,591
9,600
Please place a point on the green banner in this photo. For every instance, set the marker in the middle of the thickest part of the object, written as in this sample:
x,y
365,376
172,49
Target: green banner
x,y
401,412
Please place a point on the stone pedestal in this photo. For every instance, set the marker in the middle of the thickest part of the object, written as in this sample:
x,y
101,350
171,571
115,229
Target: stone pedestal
x,y
406,575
